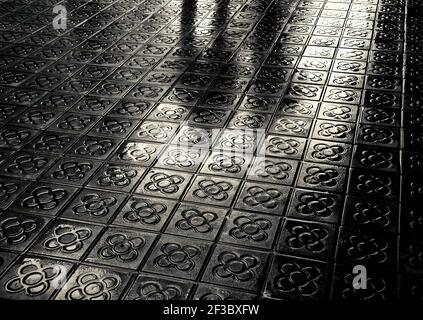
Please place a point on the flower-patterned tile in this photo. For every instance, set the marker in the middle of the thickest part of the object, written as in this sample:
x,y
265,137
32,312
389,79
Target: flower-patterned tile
x,y
338,112
18,231
291,126
361,212
329,152
66,239
208,117
164,183
213,190
334,131
153,131
93,205
120,247
239,141
381,159
114,127
378,136
52,142
93,147
245,120
26,165
169,112
10,189
193,136
381,285
292,278
275,170
117,177
311,240
264,198
43,198
236,267
137,153
258,103
226,164
93,283
33,278
410,251
209,292
71,171
283,146
182,158
147,213
201,222
322,177
298,108
13,137
364,247
316,206
374,184
250,229
177,256
149,287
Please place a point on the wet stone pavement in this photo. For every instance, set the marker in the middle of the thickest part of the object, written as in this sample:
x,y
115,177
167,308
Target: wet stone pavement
x,y
228,149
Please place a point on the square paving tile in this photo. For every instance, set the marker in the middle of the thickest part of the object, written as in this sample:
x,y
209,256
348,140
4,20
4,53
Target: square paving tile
x,y
265,198
250,229
150,287
66,239
93,205
120,247
238,268
201,222
112,282
14,283
177,256
213,190
282,283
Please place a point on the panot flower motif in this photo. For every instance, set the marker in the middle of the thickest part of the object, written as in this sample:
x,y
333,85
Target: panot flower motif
x,y
250,228
44,198
303,236
164,183
14,230
34,279
315,204
72,171
298,279
116,176
325,177
226,163
181,158
257,196
6,190
155,291
213,190
91,286
144,211
376,289
120,246
240,267
137,152
273,169
94,205
67,238
196,220
177,256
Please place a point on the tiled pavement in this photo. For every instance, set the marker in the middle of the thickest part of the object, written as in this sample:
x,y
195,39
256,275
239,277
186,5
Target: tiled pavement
x,y
98,201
